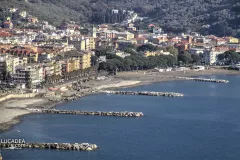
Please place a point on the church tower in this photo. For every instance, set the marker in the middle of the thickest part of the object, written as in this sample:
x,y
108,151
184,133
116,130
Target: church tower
x,y
94,32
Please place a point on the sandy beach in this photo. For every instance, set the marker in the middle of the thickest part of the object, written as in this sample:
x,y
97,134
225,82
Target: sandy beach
x,y
11,110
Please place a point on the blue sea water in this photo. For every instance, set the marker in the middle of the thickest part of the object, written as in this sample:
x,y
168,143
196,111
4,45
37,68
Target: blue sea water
x,y
203,125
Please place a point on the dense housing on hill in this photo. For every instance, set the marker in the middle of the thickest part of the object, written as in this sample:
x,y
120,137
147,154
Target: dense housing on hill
x,y
220,17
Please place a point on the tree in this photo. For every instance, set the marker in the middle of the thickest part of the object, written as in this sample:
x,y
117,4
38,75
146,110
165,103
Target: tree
x,y
94,60
196,59
127,64
229,57
172,50
147,47
185,58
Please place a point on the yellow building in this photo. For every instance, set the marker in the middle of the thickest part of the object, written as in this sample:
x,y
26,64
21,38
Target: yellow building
x,y
233,40
71,65
85,60
91,43
23,14
156,53
147,54
83,45
57,68
75,64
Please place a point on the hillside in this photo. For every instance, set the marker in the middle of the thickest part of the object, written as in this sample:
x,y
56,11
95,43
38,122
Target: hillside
x,y
173,15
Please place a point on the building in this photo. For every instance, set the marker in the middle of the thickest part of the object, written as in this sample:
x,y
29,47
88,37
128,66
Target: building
x,y
156,53
232,40
30,75
85,60
122,54
157,30
196,50
102,59
29,53
94,32
71,64
57,68
7,66
91,44
8,24
126,35
41,38
12,10
107,34
23,14
141,40
103,27
48,69
32,19
159,39
78,42
210,56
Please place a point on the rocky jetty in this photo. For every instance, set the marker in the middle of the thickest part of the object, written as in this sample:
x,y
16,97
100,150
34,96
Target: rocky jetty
x,y
59,98
96,113
204,79
145,93
60,146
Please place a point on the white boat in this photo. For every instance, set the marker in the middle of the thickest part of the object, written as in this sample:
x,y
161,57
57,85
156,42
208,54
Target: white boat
x,y
12,147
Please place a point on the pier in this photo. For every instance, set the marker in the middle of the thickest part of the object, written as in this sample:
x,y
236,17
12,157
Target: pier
x,y
204,79
93,113
145,93
60,146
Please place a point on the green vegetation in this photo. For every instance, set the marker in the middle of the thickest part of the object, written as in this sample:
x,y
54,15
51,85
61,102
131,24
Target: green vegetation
x,y
174,16
136,61
229,57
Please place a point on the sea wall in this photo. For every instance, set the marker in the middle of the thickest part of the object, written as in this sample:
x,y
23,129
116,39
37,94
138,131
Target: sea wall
x,y
60,146
204,79
145,93
10,96
96,113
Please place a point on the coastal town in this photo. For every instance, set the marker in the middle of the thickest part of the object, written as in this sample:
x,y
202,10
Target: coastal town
x,y
37,53
42,65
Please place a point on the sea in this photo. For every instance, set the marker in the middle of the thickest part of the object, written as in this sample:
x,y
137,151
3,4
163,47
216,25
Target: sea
x,y
202,125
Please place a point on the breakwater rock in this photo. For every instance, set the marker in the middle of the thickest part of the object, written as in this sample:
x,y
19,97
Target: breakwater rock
x,y
59,98
60,146
204,79
97,113
145,93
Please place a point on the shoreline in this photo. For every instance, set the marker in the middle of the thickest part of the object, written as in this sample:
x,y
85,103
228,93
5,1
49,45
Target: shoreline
x,y
122,80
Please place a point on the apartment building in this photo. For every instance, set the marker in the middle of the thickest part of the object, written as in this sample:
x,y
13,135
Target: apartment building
x,y
7,66
30,75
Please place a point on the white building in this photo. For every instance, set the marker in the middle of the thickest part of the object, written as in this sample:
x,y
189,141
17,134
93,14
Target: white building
x,y
115,11
210,57
122,54
196,50
102,59
157,30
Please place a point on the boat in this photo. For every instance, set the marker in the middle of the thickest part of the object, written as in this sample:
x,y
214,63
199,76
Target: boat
x,y
12,147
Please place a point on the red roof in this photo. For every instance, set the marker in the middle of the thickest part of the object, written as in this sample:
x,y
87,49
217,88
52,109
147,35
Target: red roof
x,y
151,25
103,26
140,38
5,34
